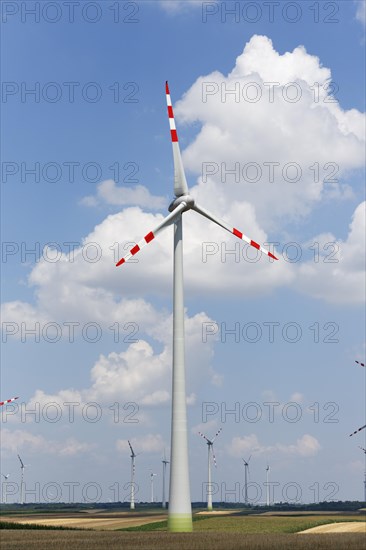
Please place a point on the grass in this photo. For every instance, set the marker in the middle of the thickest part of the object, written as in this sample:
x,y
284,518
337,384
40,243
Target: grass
x,y
86,540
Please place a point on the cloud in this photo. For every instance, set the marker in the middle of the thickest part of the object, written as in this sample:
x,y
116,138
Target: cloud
x,y
361,11
309,146
174,7
339,275
16,440
307,445
109,193
150,443
139,374
241,446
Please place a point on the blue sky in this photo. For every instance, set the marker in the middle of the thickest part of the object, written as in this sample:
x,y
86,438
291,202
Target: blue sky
x,y
315,299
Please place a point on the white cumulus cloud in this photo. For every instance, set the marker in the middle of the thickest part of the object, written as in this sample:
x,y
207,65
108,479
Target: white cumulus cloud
x,y
109,193
307,445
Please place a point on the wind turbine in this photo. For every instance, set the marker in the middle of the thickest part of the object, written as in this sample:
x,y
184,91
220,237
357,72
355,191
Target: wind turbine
x,y
210,453
22,466
133,468
362,427
152,485
6,477
364,481
165,462
246,473
267,475
180,510
8,401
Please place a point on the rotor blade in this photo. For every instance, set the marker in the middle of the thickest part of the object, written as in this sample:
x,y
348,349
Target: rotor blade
x,y
180,182
21,462
231,229
150,236
8,401
131,448
356,431
249,459
363,449
216,434
359,363
204,437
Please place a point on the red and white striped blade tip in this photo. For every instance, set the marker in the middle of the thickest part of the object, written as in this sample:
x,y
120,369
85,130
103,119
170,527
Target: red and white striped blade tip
x,y
240,235
147,239
8,401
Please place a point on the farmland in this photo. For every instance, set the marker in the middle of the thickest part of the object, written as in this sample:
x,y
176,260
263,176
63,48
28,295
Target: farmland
x,y
232,530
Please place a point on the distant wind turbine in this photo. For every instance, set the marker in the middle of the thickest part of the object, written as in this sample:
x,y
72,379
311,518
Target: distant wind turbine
x,y
210,453
362,427
364,481
133,468
180,509
152,485
165,462
6,477
22,466
267,475
246,475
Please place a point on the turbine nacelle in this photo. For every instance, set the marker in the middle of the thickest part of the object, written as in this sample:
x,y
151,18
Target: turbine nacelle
x,y
187,199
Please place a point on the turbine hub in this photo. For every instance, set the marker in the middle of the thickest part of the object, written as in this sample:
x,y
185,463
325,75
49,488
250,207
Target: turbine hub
x,y
183,198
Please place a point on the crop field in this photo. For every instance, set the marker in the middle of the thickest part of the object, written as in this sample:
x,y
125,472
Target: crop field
x,y
214,531
103,521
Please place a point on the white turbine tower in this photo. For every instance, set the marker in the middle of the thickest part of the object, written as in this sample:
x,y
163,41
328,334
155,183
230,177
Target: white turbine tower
x,y
246,475
267,478
165,462
22,466
210,453
180,510
152,486
133,468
